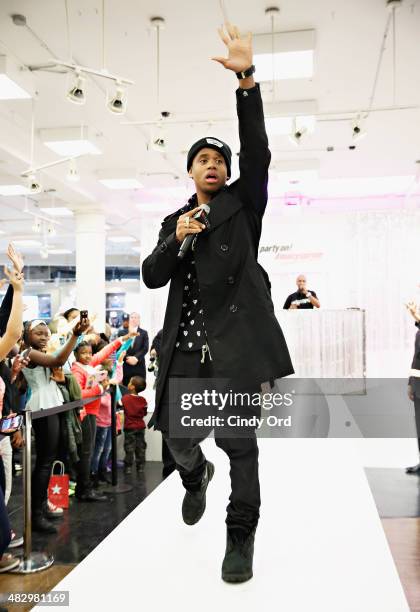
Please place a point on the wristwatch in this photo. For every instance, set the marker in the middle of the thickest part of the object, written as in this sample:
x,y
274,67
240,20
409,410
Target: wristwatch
x,y
246,73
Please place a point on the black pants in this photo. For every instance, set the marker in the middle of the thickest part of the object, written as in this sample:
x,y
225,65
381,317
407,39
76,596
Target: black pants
x,y
244,500
85,451
417,415
5,530
47,434
134,446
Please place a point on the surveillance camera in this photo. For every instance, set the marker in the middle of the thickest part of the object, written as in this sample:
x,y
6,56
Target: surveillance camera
x,y
34,186
159,144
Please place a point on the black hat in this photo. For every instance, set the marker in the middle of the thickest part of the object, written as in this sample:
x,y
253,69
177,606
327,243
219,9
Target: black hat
x,y
126,317
210,143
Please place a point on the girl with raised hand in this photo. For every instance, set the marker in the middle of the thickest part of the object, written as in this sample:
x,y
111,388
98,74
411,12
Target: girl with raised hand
x,y
45,393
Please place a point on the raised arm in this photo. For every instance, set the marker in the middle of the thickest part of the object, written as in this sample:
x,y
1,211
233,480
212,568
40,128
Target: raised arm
x,y
254,156
58,360
14,324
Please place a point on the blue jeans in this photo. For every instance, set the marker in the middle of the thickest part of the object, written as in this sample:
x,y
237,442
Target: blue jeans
x,y
100,455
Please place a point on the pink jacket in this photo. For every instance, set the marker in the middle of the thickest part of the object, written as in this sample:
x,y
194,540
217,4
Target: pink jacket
x,y
82,376
103,418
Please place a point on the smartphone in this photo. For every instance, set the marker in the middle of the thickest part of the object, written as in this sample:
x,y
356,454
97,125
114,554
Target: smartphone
x,y
11,423
84,314
25,353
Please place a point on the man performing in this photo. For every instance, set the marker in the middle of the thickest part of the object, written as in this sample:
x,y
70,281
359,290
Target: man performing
x,y
219,320
302,298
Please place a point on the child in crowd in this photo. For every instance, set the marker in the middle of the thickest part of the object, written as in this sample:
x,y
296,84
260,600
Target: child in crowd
x,y
103,423
90,380
135,409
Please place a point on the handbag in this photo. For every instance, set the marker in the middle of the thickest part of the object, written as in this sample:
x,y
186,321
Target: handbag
x,y
58,487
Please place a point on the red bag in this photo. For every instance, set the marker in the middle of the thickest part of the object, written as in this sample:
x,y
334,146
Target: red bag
x,y
58,487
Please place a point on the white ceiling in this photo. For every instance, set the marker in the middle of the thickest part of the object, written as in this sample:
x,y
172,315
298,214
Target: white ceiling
x,y
348,40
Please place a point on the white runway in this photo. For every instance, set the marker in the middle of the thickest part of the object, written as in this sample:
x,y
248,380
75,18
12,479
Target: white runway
x,y
320,546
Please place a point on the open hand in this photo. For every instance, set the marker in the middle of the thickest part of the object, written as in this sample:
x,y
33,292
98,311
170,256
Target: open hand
x,y
412,309
15,257
16,279
239,49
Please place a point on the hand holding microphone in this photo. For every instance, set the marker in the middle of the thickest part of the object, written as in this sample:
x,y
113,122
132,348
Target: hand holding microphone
x,y
191,223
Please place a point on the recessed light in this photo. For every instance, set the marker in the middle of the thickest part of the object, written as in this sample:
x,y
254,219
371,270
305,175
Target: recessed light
x,y
11,75
288,65
121,183
284,125
9,90
122,239
60,251
73,148
57,211
27,243
13,190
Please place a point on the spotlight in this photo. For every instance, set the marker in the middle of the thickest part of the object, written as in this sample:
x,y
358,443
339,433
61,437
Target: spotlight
x,y
358,132
76,93
118,103
72,174
37,226
51,231
34,186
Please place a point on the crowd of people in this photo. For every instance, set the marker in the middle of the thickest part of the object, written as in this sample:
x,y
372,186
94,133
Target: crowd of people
x,y
45,364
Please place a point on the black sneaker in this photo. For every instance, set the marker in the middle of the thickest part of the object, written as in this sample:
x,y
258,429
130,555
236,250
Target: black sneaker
x,y
41,524
194,502
414,469
91,496
237,564
104,478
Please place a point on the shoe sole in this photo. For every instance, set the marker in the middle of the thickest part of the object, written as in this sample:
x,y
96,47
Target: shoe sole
x,y
16,543
10,566
236,578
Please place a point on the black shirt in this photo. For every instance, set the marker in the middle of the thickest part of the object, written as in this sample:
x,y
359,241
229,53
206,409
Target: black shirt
x,y
300,299
191,331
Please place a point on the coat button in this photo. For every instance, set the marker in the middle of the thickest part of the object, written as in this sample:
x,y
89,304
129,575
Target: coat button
x,y
230,280
233,308
224,248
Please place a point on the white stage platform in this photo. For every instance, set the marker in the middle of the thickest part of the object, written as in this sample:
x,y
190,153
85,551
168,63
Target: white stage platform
x,y
320,546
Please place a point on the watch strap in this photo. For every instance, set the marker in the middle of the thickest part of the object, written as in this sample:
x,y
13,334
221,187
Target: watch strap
x,y
246,73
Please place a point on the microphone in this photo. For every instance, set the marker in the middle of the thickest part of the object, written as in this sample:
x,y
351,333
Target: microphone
x,y
201,215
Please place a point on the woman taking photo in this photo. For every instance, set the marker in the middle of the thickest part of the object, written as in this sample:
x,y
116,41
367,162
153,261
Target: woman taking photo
x,y
45,393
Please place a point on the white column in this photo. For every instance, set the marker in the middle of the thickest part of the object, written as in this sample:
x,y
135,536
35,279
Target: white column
x,y
90,264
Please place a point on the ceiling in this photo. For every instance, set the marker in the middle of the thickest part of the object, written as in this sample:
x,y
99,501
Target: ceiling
x,y
193,88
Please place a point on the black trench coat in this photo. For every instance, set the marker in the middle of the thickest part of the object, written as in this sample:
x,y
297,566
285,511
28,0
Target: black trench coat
x,y
244,336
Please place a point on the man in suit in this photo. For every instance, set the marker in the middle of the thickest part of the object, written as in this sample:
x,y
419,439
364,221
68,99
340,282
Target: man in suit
x,y
220,320
134,360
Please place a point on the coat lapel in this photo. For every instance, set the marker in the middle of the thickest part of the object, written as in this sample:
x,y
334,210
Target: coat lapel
x,y
222,207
